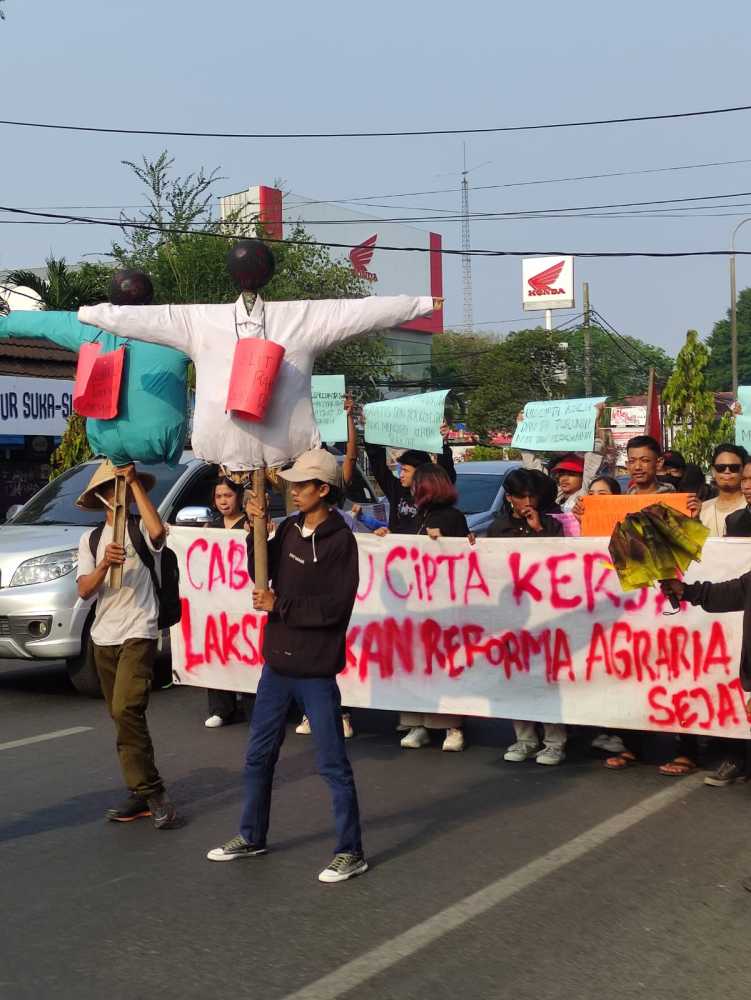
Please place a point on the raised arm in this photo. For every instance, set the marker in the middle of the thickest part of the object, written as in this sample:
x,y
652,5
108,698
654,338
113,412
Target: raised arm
x,y
168,326
330,321
62,328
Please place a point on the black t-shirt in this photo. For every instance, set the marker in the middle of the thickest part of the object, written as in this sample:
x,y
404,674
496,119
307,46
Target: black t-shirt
x,y
450,521
506,526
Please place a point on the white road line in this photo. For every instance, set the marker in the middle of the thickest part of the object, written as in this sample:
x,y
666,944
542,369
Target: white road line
x,y
353,974
43,737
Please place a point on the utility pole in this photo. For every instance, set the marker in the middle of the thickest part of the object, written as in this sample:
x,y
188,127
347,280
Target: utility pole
x,y
466,247
587,341
733,315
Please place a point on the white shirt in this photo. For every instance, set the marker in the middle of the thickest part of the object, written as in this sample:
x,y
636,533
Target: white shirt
x,y
208,334
132,611
714,519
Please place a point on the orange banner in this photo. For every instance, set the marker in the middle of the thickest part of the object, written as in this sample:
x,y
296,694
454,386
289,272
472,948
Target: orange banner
x,y
602,513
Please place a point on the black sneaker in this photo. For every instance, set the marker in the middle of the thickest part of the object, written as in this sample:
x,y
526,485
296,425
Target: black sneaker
x,y
238,847
344,866
134,807
163,811
728,772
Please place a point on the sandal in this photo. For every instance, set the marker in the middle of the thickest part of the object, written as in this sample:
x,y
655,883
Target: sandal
x,y
679,767
621,761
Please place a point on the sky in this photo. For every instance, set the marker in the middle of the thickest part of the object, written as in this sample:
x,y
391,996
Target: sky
x,y
232,66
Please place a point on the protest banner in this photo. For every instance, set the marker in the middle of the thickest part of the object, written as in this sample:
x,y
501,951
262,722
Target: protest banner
x,y
407,422
602,513
327,392
743,419
529,629
558,425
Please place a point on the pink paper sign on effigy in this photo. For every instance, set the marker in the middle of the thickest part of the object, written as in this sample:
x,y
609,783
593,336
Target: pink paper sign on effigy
x,y
98,378
255,366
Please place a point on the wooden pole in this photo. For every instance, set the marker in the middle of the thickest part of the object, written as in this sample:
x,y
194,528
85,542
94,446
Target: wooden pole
x,y
260,534
120,504
587,341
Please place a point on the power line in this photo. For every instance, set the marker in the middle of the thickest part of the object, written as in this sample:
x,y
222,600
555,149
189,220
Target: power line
x,y
147,227
380,135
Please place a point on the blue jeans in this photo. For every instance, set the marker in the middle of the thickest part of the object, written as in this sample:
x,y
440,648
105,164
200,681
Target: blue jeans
x,y
320,700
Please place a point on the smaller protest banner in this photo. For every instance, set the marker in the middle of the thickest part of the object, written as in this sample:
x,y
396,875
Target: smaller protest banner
x,y
328,406
602,513
558,425
407,422
98,376
743,420
255,365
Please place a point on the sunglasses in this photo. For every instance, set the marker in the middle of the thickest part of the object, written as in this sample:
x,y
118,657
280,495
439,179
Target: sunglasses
x,y
728,467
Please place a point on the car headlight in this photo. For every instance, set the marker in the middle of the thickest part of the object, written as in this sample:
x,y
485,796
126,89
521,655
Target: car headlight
x,y
42,569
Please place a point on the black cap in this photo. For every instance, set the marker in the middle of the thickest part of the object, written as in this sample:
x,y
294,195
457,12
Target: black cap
x,y
251,264
673,460
131,288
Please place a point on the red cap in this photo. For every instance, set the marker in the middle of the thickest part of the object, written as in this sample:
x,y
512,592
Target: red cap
x,y
570,464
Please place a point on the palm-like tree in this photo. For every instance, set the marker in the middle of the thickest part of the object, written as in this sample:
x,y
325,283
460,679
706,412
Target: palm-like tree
x,y
64,289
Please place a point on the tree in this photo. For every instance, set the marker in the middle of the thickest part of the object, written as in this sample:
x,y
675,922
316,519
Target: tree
x,y
690,405
620,367
719,369
64,288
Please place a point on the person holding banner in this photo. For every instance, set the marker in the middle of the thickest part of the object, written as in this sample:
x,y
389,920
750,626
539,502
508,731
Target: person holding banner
x,y
728,461
228,497
738,525
437,517
314,573
398,492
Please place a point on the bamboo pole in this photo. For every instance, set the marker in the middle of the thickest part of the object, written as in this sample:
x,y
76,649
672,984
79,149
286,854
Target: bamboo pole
x,y
260,534
119,523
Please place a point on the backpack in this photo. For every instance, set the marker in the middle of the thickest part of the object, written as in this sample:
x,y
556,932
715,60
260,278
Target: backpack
x,y
168,591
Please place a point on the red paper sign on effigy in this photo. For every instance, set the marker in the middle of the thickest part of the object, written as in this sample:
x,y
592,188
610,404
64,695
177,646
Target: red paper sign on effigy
x,y
255,366
98,378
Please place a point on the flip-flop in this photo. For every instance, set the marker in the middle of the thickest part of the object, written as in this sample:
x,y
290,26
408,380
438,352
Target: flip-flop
x,y
678,768
621,761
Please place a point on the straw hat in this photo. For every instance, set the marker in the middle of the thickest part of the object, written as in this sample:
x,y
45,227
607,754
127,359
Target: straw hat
x,y
105,474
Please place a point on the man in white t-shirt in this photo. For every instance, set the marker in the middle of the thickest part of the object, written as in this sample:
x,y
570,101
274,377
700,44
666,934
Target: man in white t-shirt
x,y
125,633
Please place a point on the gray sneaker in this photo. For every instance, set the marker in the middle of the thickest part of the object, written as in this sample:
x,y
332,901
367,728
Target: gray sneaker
x,y
728,772
344,866
236,848
163,812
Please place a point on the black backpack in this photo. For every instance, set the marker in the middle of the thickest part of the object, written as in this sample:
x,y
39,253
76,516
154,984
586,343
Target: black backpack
x,y
168,591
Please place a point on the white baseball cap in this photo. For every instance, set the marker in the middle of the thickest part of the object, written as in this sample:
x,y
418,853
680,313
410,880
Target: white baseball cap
x,y
315,464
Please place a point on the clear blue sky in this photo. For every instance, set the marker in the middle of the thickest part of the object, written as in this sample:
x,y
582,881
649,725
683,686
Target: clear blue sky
x,y
236,66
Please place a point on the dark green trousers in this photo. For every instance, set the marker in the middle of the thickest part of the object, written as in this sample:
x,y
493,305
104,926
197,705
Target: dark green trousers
x,y
125,673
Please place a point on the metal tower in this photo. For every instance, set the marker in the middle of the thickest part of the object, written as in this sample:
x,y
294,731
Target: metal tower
x,y
466,247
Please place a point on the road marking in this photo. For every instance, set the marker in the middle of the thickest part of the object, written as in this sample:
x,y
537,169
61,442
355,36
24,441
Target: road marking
x,y
43,737
353,974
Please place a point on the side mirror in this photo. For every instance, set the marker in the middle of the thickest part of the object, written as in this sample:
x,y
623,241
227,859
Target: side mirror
x,y
12,511
193,517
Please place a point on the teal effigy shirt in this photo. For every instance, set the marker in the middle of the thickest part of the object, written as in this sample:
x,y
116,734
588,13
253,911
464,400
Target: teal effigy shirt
x,y
152,415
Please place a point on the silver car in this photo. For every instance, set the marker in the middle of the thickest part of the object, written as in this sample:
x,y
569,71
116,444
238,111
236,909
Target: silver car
x,y
480,488
41,615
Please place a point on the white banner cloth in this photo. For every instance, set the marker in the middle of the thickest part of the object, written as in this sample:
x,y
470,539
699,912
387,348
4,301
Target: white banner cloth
x,y
528,629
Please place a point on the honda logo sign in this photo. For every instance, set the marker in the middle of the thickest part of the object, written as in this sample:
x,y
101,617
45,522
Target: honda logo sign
x,y
547,283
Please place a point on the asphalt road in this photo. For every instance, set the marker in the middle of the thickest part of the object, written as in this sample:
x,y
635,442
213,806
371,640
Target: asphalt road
x,y
488,879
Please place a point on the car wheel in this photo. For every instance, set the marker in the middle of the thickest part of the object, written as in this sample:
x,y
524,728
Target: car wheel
x,y
81,669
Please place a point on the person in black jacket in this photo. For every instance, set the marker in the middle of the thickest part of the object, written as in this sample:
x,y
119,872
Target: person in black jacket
x,y
738,525
434,495
732,595
398,492
228,498
528,506
313,566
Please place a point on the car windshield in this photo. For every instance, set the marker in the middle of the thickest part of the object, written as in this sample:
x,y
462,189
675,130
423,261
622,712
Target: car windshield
x,y
55,503
477,493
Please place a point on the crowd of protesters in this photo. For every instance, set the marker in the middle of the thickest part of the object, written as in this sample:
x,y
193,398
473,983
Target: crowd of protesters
x,y
314,575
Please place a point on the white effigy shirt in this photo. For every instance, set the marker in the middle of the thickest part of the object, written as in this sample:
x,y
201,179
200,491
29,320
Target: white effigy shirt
x,y
208,334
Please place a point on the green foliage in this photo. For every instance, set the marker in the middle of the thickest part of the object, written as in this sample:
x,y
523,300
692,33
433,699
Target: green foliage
x,y
719,370
614,373
690,405
483,453
73,448
65,288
